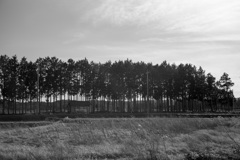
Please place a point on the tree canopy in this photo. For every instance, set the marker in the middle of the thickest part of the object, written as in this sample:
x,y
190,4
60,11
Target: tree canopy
x,y
120,80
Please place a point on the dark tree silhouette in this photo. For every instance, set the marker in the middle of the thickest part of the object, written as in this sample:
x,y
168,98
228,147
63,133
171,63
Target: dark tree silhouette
x,y
121,86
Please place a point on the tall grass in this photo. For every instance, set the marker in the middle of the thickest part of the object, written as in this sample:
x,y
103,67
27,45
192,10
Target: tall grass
x,y
133,138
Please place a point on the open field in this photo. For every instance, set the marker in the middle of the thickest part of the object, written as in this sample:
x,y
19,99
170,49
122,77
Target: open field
x,y
121,138
59,116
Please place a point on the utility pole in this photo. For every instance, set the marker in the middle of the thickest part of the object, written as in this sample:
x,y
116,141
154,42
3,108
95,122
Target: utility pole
x,y
233,105
148,109
38,95
2,97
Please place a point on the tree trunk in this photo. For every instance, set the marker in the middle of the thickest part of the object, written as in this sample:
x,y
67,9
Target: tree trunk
x,y
61,101
53,109
64,103
22,105
56,103
30,106
168,104
3,109
8,106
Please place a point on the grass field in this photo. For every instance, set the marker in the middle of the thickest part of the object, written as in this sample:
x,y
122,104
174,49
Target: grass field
x,y
121,138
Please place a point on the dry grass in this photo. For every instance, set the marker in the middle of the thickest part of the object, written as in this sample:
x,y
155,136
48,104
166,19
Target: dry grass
x,y
149,138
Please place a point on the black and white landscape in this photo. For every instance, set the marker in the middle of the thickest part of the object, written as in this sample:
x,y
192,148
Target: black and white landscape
x,y
115,79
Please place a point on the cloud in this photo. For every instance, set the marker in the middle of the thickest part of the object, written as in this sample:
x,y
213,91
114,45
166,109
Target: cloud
x,y
202,32
74,38
169,15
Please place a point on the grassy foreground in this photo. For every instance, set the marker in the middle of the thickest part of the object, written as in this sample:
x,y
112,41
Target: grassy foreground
x,y
132,138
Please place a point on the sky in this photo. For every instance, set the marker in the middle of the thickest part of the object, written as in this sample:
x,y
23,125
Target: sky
x,y
204,33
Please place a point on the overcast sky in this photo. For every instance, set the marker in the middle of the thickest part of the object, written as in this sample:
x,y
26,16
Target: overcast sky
x,y
201,32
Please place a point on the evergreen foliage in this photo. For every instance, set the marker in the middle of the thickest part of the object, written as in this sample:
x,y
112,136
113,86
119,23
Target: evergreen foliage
x,y
171,87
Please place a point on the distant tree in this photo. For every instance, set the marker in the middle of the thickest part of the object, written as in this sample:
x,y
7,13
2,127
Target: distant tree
x,y
84,70
210,90
130,80
4,78
201,87
225,83
140,70
124,84
158,84
181,85
12,82
42,66
60,80
31,79
106,87
73,80
169,86
64,82
93,79
55,76
22,84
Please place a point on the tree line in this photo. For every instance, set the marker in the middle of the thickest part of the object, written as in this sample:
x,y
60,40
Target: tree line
x,y
120,86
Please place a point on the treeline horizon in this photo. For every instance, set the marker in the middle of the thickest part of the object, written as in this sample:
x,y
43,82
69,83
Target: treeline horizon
x,y
121,80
